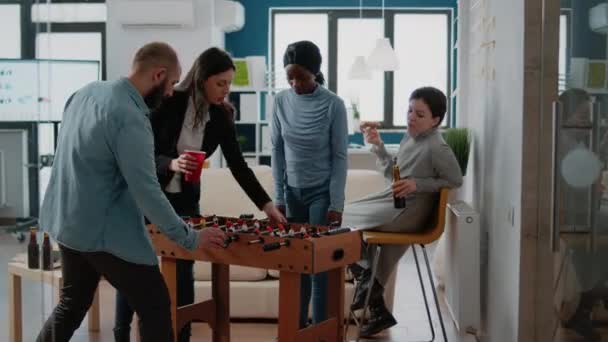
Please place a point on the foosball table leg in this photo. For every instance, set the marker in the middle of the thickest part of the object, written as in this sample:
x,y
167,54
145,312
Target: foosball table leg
x,y
335,307
289,306
220,274
169,271
330,330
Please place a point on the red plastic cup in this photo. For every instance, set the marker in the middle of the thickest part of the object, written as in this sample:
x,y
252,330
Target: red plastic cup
x,y
195,176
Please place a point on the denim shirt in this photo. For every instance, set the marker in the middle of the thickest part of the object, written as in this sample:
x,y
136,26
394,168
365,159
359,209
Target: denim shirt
x,y
104,179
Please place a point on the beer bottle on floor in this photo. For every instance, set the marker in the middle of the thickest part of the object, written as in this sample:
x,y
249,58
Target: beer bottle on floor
x,y
33,251
46,253
399,201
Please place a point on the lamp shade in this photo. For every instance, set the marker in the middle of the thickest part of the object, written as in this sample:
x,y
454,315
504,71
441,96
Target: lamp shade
x,y
359,70
383,57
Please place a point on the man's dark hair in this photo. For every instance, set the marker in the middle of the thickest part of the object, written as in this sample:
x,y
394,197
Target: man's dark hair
x,y
155,54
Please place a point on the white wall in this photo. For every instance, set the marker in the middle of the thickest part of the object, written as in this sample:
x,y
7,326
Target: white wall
x,y
491,104
122,43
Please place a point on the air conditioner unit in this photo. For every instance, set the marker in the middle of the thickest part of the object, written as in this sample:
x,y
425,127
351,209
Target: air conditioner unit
x,y
229,15
598,18
155,13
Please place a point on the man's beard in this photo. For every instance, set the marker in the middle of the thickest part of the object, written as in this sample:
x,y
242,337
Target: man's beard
x,y
155,97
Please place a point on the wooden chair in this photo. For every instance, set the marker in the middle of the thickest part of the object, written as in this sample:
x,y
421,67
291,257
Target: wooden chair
x,y
421,239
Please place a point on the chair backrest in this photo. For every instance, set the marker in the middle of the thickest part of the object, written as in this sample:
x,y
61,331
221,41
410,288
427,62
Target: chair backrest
x,y
437,224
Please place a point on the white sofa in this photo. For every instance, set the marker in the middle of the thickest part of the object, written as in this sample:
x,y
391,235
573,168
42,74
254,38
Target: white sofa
x,y
253,291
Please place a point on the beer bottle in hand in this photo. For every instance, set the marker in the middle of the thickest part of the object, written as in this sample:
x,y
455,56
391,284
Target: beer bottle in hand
x,y
33,251
46,253
399,201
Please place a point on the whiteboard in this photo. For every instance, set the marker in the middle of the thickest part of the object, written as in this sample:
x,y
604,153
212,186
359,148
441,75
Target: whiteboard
x,y
37,90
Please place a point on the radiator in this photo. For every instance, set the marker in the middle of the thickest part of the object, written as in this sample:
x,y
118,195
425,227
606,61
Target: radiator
x,y
462,266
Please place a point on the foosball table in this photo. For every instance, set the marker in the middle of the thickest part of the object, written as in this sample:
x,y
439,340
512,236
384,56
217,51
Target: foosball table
x,y
293,249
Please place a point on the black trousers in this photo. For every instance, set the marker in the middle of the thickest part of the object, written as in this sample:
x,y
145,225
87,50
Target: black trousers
x,y
184,205
185,296
142,285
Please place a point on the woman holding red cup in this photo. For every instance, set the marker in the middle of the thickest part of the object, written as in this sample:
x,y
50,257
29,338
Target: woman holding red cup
x,y
189,126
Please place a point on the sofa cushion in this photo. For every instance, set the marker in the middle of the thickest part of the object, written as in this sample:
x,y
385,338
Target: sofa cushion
x,y
216,183
221,194
202,271
360,183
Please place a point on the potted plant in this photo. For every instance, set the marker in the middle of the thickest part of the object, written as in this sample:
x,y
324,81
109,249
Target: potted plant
x,y
242,140
356,116
459,140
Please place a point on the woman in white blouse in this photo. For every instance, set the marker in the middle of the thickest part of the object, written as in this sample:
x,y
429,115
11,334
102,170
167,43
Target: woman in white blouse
x,y
196,117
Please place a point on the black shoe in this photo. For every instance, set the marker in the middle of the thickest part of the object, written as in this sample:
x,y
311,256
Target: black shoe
x,y
361,292
380,319
584,328
122,335
357,271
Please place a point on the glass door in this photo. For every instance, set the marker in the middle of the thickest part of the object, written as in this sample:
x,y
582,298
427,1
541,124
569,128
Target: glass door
x,y
579,210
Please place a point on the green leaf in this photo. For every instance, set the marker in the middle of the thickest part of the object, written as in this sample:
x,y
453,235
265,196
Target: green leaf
x,y
459,140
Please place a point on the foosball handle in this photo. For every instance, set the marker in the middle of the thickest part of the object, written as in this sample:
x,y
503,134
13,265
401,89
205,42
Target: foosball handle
x,y
334,224
275,245
258,240
230,239
271,246
338,231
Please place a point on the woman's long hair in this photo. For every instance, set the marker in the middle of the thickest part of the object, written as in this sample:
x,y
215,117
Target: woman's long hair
x,y
211,62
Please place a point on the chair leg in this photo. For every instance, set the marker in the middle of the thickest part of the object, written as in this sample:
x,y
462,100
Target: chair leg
x,y
361,320
426,303
428,269
351,316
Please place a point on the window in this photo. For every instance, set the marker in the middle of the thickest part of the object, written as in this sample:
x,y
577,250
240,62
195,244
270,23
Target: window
x,y
81,46
355,36
10,24
421,43
69,46
564,28
69,13
70,31
421,39
36,29
289,28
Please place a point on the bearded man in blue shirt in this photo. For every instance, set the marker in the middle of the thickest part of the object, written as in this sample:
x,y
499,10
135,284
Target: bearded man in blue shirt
x,y
102,184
